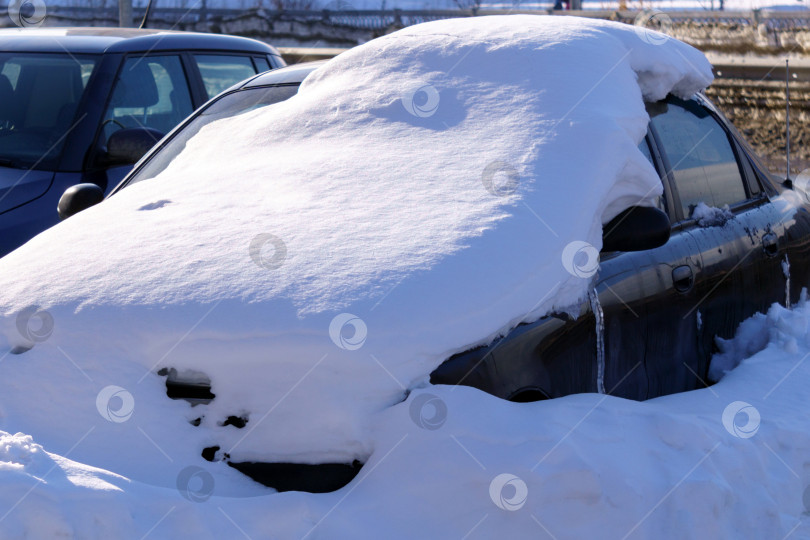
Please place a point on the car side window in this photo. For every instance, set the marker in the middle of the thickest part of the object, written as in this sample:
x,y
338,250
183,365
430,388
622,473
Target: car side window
x,y
645,149
701,158
220,72
11,71
150,92
261,63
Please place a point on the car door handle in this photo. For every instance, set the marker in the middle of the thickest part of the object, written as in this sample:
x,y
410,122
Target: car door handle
x,y
683,278
770,243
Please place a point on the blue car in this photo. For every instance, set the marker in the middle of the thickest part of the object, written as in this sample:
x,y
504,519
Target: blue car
x,y
82,105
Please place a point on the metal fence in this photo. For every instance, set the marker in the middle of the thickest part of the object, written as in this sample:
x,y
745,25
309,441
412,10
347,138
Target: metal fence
x,y
375,20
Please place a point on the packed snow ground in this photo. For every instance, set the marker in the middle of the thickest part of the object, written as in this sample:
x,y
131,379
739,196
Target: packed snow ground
x,y
729,461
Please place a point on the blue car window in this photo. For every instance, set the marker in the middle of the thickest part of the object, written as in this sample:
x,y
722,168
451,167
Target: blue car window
x,y
39,98
220,72
150,92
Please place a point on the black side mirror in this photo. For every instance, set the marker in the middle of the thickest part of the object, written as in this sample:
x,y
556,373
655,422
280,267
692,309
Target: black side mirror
x,y
77,198
127,146
636,229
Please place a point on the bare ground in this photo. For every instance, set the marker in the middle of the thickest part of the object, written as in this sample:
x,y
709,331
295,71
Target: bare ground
x,y
757,109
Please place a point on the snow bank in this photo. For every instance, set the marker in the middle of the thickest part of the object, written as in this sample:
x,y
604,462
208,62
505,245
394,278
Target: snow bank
x,y
584,466
319,258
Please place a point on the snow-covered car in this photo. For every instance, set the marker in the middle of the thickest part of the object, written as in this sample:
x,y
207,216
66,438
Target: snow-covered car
x,y
82,105
427,208
655,290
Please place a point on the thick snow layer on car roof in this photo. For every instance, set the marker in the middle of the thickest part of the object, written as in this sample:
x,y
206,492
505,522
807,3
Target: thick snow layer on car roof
x,y
423,193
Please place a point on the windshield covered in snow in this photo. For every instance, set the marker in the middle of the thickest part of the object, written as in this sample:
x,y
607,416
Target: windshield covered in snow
x,y
232,104
39,96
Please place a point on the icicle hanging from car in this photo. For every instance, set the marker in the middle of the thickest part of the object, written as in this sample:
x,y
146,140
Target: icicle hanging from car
x,y
599,318
786,272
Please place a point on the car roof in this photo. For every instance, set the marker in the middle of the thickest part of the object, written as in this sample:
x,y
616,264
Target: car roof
x,y
295,73
117,40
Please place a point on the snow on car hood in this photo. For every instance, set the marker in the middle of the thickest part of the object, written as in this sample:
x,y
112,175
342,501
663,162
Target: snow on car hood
x,y
319,258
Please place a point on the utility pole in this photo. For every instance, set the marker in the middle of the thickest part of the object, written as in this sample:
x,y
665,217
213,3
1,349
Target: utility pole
x,y
124,13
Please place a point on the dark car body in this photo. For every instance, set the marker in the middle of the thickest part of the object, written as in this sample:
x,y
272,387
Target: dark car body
x,y
63,93
663,307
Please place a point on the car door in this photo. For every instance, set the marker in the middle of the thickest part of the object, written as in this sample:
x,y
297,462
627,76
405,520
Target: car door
x,y
150,91
644,298
664,307
738,231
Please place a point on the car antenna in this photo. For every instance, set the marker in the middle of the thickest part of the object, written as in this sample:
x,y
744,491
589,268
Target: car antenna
x,y
146,14
787,122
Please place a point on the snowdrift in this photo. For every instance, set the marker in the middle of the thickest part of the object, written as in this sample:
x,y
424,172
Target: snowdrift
x,y
318,259
728,461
